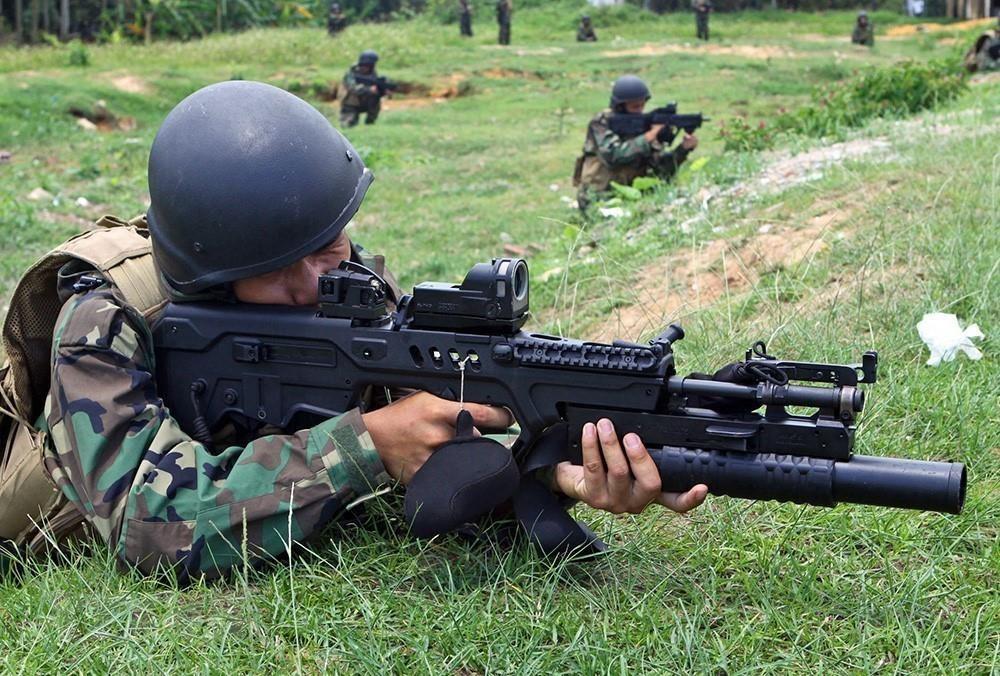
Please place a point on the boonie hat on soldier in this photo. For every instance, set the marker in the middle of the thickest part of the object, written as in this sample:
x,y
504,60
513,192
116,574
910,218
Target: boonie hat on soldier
x,y
368,58
245,179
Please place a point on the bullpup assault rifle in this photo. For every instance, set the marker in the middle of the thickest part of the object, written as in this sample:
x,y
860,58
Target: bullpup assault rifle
x,y
735,431
383,84
629,125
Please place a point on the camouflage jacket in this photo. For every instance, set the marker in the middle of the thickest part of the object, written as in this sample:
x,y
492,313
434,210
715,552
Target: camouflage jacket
x,y
160,499
585,33
863,35
356,94
609,157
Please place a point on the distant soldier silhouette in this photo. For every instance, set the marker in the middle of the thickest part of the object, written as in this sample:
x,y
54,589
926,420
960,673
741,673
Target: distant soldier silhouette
x,y
504,9
465,18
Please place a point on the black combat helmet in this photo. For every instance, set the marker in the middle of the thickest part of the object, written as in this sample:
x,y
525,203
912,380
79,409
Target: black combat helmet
x,y
628,88
244,179
368,58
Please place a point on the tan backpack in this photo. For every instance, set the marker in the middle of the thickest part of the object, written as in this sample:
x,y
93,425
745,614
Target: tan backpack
x,y
119,250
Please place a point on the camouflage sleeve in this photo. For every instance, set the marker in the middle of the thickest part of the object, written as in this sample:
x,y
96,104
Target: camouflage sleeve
x,y
158,497
613,149
352,85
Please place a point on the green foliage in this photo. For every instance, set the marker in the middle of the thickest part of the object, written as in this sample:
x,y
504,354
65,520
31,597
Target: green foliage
x,y
889,92
78,54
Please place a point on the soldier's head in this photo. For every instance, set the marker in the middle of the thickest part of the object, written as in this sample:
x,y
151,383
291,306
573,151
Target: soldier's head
x,y
863,18
629,94
367,60
250,191
334,8
585,20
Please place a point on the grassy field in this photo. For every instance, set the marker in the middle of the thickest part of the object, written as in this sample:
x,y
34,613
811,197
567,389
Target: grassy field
x,y
823,249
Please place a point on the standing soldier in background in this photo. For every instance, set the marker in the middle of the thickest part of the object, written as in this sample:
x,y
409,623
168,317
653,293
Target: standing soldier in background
x,y
864,32
701,10
465,18
504,9
362,93
335,21
609,157
585,33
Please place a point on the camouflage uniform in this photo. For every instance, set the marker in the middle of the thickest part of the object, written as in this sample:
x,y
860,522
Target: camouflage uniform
x,y
609,157
504,9
358,99
863,34
160,499
335,20
585,32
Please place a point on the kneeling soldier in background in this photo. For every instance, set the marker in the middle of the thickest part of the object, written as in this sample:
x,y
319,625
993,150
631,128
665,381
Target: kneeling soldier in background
x,y
864,32
585,32
609,157
362,91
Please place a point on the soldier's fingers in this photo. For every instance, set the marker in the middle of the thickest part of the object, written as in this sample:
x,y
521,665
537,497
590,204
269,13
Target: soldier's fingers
x,y
594,479
647,476
489,417
684,502
619,473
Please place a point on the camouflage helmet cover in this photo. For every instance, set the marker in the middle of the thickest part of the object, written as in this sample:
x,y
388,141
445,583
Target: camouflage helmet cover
x,y
368,58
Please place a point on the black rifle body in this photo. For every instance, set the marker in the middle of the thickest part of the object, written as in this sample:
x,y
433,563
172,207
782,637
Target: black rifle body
x,y
289,367
629,125
382,83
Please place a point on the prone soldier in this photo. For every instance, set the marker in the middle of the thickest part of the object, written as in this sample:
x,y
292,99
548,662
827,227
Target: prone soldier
x,y
608,156
362,91
229,165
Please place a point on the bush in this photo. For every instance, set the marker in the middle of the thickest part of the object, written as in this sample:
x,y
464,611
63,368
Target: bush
x,y
78,55
892,92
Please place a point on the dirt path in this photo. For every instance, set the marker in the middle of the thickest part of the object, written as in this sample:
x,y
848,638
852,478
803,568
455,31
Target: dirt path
x,y
745,51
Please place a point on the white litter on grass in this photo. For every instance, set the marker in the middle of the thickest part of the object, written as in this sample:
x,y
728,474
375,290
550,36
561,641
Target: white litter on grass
x,y
945,338
82,202
554,187
569,202
39,195
614,212
764,229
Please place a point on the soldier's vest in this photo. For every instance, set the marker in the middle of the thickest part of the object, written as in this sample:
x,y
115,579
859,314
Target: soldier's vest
x,y
591,171
33,512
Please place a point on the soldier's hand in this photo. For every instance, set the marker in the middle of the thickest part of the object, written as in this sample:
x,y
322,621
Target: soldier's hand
x,y
653,131
374,89
631,481
407,431
690,142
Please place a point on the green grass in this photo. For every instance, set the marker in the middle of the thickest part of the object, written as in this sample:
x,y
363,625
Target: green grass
x,y
734,587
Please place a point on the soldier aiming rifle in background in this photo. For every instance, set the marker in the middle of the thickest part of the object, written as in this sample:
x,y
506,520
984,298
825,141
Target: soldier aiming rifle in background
x,y
619,152
364,91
